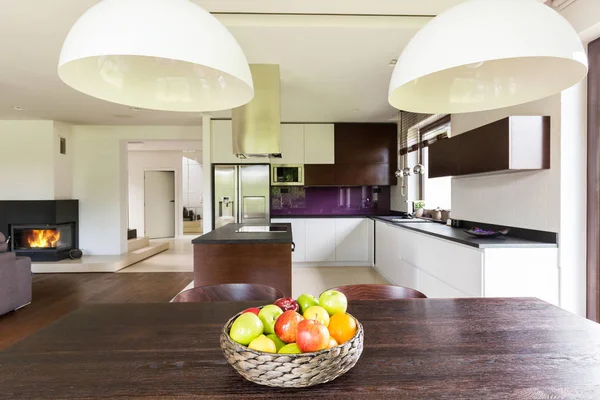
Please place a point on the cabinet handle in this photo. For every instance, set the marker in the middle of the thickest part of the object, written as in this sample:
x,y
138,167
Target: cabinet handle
x,y
293,247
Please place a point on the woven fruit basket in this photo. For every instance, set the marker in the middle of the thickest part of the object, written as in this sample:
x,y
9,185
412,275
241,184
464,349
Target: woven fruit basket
x,y
291,370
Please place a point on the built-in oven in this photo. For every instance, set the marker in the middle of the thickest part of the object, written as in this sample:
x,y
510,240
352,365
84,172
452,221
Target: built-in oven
x,y
287,175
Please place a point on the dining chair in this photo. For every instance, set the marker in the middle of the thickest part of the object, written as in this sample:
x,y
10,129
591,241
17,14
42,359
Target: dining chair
x,y
379,292
229,292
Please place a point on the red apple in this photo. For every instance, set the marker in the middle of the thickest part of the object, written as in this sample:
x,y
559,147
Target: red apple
x,y
286,326
312,336
253,310
287,303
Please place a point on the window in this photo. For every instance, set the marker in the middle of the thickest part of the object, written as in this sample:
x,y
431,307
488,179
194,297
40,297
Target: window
x,y
420,131
436,191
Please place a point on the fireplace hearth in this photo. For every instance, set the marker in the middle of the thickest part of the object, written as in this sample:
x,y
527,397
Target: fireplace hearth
x,y
43,230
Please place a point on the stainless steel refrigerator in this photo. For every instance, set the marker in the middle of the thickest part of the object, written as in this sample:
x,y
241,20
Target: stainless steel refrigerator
x,y
241,194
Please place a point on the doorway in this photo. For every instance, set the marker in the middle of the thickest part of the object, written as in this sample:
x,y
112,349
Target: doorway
x,y
159,204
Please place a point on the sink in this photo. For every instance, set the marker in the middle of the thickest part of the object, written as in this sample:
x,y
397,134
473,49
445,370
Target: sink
x,y
259,228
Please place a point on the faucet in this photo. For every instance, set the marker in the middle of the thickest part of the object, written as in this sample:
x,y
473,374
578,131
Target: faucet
x,y
412,206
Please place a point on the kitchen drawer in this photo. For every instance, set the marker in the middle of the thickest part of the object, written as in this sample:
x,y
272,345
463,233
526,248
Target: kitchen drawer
x,y
435,288
454,264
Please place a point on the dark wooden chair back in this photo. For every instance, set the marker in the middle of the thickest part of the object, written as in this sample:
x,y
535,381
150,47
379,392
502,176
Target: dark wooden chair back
x,y
379,292
229,292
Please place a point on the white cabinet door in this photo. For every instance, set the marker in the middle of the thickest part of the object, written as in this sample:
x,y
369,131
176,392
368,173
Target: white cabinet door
x,y
434,288
386,251
222,143
298,236
320,240
292,145
319,144
522,273
352,239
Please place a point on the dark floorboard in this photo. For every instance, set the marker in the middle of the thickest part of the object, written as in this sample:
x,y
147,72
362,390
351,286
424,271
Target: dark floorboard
x,y
55,295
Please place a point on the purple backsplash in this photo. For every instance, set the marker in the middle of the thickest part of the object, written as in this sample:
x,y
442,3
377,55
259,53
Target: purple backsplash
x,y
328,200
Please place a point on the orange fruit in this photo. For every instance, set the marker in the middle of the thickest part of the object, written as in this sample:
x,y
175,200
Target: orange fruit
x,y
342,327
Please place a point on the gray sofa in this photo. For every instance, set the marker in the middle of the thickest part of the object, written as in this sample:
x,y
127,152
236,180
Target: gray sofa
x,y
15,279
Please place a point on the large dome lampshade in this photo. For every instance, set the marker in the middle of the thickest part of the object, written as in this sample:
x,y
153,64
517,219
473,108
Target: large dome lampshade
x,y
487,54
167,55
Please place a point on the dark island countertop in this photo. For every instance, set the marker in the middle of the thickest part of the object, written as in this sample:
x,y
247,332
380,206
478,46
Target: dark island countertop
x,y
228,235
458,235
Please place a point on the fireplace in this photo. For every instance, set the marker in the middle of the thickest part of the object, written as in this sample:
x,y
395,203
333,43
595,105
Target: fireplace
x,y
43,242
43,230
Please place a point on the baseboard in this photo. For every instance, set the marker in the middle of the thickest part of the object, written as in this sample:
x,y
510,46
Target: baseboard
x,y
24,305
332,264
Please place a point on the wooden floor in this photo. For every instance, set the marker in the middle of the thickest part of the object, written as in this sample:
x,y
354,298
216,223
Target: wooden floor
x,y
55,295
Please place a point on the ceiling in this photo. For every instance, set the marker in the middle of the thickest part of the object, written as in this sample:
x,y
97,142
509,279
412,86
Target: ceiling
x,y
333,54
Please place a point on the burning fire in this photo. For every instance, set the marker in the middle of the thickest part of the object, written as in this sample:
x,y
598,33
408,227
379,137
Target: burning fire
x,y
43,238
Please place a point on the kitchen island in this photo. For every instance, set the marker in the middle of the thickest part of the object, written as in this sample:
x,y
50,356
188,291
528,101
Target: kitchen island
x,y
245,253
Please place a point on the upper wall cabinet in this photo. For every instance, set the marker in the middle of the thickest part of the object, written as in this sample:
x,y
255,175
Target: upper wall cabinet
x,y
292,145
519,143
366,143
319,144
222,143
365,154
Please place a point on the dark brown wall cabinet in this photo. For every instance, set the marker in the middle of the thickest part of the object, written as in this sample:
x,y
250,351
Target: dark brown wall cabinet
x,y
319,174
520,143
365,154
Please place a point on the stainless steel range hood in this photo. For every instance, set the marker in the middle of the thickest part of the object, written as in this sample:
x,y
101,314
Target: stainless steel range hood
x,y
256,126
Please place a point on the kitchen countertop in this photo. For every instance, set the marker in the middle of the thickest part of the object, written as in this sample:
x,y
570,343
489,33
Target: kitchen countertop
x,y
458,235
227,235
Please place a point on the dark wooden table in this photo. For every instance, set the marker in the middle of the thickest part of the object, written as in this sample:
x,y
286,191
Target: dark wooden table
x,y
414,349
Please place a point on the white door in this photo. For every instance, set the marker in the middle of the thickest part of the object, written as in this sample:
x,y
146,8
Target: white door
x,y
159,201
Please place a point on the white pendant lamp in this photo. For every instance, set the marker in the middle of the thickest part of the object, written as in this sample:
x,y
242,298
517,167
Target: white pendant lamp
x,y
487,54
157,54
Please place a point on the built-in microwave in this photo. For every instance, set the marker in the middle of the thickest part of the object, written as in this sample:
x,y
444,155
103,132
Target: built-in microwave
x,y
287,175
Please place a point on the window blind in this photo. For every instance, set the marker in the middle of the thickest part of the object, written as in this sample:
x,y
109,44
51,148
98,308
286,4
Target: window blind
x,y
424,128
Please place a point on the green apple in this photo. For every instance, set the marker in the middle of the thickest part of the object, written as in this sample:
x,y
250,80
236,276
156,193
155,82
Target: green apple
x,y
333,302
317,313
264,344
291,348
278,342
306,300
268,315
246,328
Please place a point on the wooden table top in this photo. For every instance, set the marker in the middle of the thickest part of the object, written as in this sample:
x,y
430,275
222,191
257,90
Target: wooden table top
x,y
414,349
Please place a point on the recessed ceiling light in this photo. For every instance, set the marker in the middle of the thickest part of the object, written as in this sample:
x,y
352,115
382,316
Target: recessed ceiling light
x,y
393,62
18,108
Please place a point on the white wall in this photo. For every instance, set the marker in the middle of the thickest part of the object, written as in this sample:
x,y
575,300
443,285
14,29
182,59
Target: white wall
x,y
524,199
206,175
100,180
137,163
27,160
63,163
573,199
